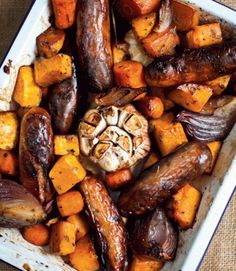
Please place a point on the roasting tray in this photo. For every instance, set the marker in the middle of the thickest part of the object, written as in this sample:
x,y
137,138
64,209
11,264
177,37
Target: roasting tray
x,y
218,188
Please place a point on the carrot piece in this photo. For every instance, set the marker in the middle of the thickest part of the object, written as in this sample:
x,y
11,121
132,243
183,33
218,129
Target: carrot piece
x,y
70,203
62,239
184,205
144,263
118,178
84,257
191,96
8,163
64,12
151,107
204,35
130,9
219,84
37,234
129,74
161,93
215,149
81,225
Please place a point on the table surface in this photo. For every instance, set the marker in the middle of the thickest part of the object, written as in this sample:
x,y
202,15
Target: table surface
x,y
221,255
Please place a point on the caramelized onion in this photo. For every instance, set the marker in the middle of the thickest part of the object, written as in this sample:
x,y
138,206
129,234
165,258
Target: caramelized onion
x,y
165,17
214,122
119,96
18,207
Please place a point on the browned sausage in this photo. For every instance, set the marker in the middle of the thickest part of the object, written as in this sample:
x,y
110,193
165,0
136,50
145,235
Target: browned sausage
x,y
93,43
36,153
109,227
163,179
193,65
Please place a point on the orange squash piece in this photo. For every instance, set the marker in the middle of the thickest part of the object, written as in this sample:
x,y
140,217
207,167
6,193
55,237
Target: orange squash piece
x,y
64,144
81,225
214,147
143,263
163,122
219,84
152,159
120,52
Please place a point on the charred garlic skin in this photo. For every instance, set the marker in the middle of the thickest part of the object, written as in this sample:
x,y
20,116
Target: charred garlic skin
x,y
113,137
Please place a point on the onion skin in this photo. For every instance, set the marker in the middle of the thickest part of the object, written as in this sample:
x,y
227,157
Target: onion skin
x,y
18,207
214,122
119,96
165,178
153,235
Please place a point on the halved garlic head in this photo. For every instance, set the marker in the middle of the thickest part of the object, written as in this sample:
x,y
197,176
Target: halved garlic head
x,y
113,137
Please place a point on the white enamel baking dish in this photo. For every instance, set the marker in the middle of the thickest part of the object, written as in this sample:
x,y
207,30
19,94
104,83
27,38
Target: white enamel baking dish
x,y
218,188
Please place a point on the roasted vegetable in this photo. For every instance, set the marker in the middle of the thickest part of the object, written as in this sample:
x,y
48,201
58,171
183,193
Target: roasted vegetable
x,y
183,206
162,94
63,102
152,159
215,149
129,74
107,222
120,52
165,178
50,42
37,234
81,225
53,70
70,203
192,65
8,130
219,84
115,180
204,35
185,15
36,153
8,163
214,122
151,107
18,207
120,96
165,17
62,238
144,263
130,9
64,144
66,173
114,138
64,12
84,257
164,122
93,43
26,92
153,235
191,96
159,44
143,25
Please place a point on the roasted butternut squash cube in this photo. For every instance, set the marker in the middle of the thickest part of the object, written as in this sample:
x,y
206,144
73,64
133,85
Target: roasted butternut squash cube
x,y
214,147
219,84
120,52
66,173
185,15
161,93
129,74
191,96
26,92
84,258
169,138
184,206
64,144
152,159
130,9
53,70
204,35
70,203
62,239
8,163
163,122
143,263
8,130
159,44
81,225
143,25
50,42
116,179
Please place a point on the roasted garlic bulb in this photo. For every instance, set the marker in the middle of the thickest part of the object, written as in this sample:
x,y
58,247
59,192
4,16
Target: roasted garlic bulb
x,y
113,137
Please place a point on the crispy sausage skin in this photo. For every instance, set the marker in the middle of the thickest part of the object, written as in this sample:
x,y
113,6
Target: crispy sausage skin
x,y
163,179
109,226
36,153
63,102
93,43
192,65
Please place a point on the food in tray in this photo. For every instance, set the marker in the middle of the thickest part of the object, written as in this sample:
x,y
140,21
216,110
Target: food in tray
x,y
111,128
